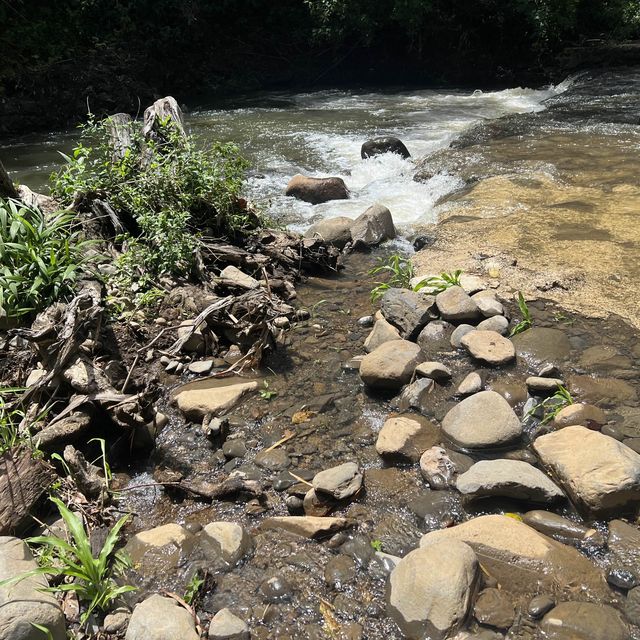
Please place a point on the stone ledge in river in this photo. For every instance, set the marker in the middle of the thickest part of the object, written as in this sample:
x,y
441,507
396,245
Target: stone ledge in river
x,y
335,231
391,365
598,472
158,618
372,227
317,190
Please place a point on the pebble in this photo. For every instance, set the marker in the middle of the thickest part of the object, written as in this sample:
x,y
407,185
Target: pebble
x,y
274,460
340,570
540,605
622,578
366,321
470,385
234,449
494,608
201,366
276,589
543,386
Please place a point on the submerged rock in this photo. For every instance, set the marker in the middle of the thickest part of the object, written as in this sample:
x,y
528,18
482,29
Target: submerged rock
x,y
158,618
541,345
583,621
430,590
317,190
562,529
494,608
391,365
383,144
306,526
406,438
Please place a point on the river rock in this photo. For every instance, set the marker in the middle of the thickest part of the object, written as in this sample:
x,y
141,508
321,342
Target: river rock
x,y
435,337
232,275
494,608
391,365
583,621
499,324
456,304
434,370
317,504
519,557
158,618
194,338
335,231
472,383
383,144
306,526
543,386
542,345
437,468
489,347
317,190
539,605
597,471
431,589
372,227
482,420
459,333
508,478
382,332
488,305
226,541
24,602
586,415
624,544
406,438
339,482
407,310
606,392
416,396
562,529
196,400
340,570
225,626
274,460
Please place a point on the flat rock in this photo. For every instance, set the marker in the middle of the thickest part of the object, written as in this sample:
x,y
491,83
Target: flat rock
x,y
200,367
159,618
543,386
586,415
226,541
499,324
509,479
274,460
542,345
198,399
391,365
335,231
306,526
406,438
456,304
472,283
339,482
472,383
583,621
598,472
226,626
482,420
372,227
434,370
25,601
382,332
430,590
489,347
606,392
525,561
407,310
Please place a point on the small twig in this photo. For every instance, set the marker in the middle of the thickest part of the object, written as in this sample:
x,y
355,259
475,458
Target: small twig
x,y
299,479
133,366
288,435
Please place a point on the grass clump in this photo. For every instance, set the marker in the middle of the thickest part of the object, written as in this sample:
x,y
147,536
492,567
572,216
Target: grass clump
x,y
553,405
527,321
41,258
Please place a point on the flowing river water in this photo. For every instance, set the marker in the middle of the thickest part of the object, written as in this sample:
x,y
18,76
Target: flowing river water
x,y
294,588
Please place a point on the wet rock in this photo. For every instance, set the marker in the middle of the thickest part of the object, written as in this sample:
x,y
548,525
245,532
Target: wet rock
x,y
434,370
437,509
509,479
225,626
471,384
339,482
624,544
383,144
499,324
459,333
489,347
306,526
232,276
602,391
517,556
382,332
416,396
383,564
315,504
200,367
540,605
276,589
194,341
542,345
437,468
543,386
435,337
317,190
226,541
372,227
494,608
407,310
514,392
335,231
484,419
583,621
598,472
196,402
406,438
391,365
632,606
430,590
456,305
339,571
580,414
488,304
158,618
274,460
562,529
366,321
359,548
622,578
234,449
117,621
25,601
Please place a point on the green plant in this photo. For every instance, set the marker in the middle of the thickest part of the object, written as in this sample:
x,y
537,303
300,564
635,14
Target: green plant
x,y
377,545
40,627
13,432
527,321
103,457
266,393
552,406
438,284
41,257
400,270
193,588
91,577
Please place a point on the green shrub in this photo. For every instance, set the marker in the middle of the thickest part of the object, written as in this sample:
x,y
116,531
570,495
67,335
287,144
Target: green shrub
x,y
41,257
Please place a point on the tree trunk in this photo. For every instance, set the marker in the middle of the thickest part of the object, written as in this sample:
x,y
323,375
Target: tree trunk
x,y
120,139
162,111
7,188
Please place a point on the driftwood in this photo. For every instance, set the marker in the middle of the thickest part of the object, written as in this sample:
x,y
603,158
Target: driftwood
x,y
161,111
7,188
23,481
120,138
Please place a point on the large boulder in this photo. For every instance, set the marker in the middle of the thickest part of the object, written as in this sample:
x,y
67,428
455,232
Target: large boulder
x,y
391,365
584,621
24,602
509,479
382,332
598,472
383,144
407,310
317,190
335,231
406,438
482,420
159,618
523,561
431,589
372,227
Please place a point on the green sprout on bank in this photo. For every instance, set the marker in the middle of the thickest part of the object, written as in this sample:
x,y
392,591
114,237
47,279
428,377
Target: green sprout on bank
x,y
527,321
266,393
193,588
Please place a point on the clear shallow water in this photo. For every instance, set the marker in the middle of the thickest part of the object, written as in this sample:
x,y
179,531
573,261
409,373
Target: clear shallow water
x,y
320,134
